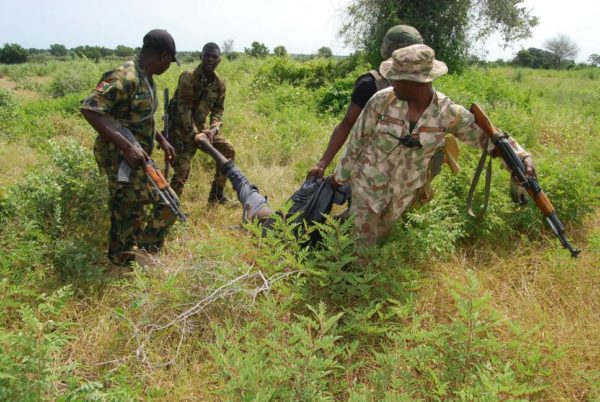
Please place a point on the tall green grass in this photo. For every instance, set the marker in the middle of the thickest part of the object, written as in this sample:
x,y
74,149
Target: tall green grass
x,y
448,308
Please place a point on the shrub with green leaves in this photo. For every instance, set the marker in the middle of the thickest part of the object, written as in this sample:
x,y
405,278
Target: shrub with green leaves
x,y
299,361
30,343
463,359
8,107
51,203
76,78
60,191
334,98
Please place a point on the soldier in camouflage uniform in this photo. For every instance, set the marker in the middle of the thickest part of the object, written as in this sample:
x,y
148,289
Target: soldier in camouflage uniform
x,y
199,93
365,86
395,137
127,96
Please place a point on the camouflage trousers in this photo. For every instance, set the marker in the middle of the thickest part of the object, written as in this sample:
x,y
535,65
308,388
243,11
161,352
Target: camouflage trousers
x,y
370,226
130,223
183,161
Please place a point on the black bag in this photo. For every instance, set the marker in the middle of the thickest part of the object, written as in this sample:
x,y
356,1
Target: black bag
x,y
313,200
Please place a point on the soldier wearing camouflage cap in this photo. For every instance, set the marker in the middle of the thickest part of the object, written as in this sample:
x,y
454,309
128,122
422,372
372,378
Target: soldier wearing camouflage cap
x,y
200,95
126,96
395,138
365,86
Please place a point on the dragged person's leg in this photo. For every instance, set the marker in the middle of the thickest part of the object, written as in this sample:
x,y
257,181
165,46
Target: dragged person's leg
x,y
254,204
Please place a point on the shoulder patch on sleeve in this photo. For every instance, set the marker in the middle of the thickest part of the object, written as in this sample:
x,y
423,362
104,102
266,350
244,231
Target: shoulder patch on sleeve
x,y
105,84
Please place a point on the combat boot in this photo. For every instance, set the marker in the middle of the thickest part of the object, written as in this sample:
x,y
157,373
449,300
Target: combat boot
x,y
216,195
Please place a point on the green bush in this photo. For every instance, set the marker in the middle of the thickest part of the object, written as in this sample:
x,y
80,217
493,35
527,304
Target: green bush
x,y
60,193
312,74
8,107
335,98
461,360
52,216
13,53
297,361
28,347
78,79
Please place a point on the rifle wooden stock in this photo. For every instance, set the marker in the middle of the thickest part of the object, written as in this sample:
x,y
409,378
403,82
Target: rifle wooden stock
x,y
483,121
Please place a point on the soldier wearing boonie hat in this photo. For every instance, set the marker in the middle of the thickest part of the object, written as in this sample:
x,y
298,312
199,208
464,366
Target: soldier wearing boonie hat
x,y
126,96
395,139
365,86
415,63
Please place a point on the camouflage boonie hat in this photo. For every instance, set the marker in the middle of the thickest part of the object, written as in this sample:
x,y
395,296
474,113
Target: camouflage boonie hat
x,y
397,37
415,63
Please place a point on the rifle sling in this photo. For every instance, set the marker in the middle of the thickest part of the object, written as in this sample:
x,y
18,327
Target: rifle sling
x,y
488,181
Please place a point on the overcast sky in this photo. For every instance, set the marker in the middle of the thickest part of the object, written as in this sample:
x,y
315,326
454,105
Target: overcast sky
x,y
302,26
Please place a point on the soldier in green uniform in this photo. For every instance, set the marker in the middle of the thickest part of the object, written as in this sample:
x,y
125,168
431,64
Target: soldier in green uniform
x,y
200,93
126,96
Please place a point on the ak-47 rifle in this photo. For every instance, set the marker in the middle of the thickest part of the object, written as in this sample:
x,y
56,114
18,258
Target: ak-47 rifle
x,y
165,119
155,177
518,171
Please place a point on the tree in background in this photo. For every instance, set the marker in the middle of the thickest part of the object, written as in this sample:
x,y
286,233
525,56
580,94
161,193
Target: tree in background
x,y
324,52
448,26
93,52
124,51
562,47
534,58
594,60
227,47
257,49
13,53
280,51
58,50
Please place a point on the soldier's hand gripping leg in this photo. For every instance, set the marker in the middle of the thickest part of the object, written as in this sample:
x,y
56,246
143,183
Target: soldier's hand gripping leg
x,y
254,204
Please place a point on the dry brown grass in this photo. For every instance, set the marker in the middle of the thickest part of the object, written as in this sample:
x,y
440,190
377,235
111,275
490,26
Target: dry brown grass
x,y
21,93
536,287
15,159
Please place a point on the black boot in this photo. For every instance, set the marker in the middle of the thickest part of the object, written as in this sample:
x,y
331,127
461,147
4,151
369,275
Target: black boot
x,y
216,195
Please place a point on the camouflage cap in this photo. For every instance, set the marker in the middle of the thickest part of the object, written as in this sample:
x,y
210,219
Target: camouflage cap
x,y
413,63
397,37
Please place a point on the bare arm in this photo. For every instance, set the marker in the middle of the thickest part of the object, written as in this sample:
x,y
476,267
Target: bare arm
x,y
105,128
337,140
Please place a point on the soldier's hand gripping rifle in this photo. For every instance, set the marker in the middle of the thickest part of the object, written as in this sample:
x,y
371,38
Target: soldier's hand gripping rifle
x,y
518,172
155,177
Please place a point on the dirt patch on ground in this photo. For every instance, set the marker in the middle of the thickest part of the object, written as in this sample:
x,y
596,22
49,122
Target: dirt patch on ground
x,y
24,94
5,83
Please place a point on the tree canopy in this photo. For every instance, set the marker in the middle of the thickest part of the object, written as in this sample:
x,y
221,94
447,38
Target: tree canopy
x,y
124,51
562,47
448,26
534,58
257,49
58,50
324,52
280,51
13,53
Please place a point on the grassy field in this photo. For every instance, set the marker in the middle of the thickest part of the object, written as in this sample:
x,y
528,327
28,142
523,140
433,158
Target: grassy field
x,y
448,308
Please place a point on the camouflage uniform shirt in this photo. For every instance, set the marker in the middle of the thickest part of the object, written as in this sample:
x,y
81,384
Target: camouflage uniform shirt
x,y
382,170
197,96
128,96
